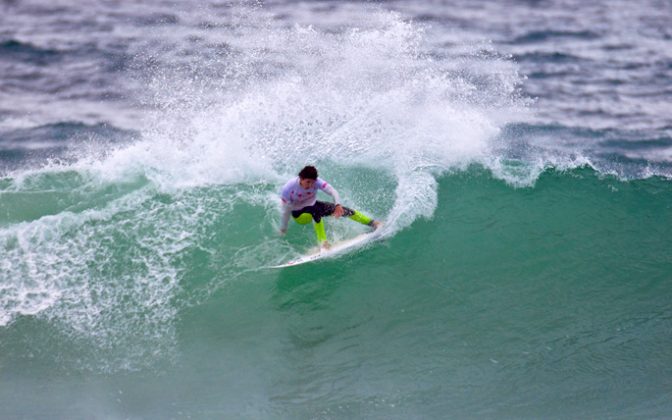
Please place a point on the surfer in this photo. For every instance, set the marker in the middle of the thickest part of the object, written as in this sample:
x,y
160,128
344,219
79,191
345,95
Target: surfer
x,y
299,198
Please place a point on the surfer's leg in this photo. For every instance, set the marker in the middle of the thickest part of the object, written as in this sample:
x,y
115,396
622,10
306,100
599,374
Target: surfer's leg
x,y
303,218
320,232
317,211
361,218
312,213
322,209
327,209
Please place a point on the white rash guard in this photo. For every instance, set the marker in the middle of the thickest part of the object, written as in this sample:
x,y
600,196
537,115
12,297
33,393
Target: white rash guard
x,y
295,197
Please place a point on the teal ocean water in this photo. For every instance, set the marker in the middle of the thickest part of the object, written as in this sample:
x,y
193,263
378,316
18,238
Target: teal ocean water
x,y
550,300
522,167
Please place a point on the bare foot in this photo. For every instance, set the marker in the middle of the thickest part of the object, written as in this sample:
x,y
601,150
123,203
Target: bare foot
x,y
325,245
376,225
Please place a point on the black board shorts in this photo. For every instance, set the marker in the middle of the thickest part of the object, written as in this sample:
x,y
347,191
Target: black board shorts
x,y
321,209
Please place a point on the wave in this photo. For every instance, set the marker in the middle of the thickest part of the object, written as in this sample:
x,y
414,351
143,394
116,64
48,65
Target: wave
x,y
111,246
112,264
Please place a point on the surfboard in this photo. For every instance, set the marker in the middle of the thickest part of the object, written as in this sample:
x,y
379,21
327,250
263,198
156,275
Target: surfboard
x,y
336,249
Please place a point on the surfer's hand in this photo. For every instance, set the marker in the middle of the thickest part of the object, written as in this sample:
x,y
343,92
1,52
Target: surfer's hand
x,y
338,211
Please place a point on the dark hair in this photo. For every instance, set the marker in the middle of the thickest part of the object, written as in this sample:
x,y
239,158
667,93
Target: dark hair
x,y
308,172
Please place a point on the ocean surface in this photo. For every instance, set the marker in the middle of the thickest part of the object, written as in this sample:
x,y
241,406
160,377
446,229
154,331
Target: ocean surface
x,y
519,152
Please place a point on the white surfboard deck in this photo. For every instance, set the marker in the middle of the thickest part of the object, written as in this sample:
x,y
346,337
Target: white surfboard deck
x,y
335,249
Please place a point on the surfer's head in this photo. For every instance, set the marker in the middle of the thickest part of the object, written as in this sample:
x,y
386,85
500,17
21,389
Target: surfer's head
x,y
307,177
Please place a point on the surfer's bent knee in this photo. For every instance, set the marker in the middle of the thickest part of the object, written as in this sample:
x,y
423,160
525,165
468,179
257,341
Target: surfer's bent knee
x,y
303,218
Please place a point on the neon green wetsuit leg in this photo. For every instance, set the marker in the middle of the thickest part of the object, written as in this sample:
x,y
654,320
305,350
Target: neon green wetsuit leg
x,y
306,218
361,218
303,219
319,231
356,216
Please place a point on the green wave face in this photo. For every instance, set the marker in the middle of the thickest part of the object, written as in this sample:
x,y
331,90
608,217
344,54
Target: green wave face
x,y
498,286
113,265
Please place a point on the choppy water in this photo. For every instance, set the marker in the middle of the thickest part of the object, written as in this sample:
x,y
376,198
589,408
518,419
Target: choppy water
x,y
520,153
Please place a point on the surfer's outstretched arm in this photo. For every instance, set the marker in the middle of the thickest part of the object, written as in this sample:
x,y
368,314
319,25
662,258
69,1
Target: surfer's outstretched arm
x,y
284,220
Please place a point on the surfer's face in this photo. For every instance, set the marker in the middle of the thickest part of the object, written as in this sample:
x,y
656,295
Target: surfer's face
x,y
306,183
